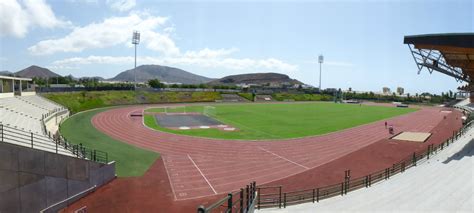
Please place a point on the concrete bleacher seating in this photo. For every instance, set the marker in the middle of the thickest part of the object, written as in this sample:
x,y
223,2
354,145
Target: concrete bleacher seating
x,y
20,121
47,174
264,98
18,105
232,98
465,105
23,138
444,183
23,116
40,102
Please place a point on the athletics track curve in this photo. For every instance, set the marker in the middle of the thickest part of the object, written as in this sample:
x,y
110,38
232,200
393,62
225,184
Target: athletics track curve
x,y
201,167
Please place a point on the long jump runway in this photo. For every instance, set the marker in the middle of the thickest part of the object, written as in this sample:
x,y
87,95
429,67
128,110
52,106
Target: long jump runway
x,y
200,167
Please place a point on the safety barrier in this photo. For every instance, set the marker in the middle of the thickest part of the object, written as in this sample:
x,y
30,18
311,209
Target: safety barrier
x,y
57,144
272,196
242,201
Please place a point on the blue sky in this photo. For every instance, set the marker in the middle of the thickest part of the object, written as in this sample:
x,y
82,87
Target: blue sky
x,y
362,41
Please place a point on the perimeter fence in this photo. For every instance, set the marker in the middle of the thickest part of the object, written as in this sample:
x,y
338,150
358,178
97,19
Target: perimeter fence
x,y
273,196
260,197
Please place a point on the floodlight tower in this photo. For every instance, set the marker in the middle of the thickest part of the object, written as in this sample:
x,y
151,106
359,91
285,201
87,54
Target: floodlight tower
x,y
320,60
135,41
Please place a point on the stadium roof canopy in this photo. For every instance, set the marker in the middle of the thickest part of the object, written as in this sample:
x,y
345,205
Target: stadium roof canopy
x,y
451,54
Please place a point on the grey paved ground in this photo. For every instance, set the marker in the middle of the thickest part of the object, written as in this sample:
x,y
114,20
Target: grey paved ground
x,y
189,120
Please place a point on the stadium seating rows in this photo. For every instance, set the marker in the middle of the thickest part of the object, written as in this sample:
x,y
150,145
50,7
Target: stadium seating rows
x,y
465,105
20,121
21,116
264,98
232,98
33,106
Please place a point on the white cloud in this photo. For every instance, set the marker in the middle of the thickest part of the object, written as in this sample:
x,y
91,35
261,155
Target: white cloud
x,y
121,5
94,60
110,32
160,42
117,31
16,18
84,1
228,63
62,67
13,20
208,53
42,15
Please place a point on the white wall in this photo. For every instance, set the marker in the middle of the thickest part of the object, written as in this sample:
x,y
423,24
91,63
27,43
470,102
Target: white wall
x,y
6,95
28,93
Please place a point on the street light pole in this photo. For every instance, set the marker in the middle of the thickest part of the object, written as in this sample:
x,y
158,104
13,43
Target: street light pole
x,y
135,41
320,60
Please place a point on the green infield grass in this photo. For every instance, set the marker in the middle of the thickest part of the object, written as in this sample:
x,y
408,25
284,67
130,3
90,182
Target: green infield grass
x,y
280,121
130,160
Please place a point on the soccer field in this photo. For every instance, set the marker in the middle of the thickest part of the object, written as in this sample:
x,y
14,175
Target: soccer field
x,y
280,121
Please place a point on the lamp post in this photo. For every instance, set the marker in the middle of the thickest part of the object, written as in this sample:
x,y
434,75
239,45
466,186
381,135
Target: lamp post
x,y
135,41
320,60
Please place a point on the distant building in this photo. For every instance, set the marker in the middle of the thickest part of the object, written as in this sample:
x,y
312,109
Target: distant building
x,y
330,90
11,86
400,90
171,83
66,86
245,85
386,90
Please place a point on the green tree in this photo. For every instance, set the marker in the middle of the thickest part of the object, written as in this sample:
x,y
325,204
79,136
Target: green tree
x,y
155,83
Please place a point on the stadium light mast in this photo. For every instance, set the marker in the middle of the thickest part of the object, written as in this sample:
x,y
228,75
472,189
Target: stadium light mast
x,y
135,41
320,60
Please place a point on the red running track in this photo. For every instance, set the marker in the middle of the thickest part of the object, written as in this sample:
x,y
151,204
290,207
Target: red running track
x,y
200,167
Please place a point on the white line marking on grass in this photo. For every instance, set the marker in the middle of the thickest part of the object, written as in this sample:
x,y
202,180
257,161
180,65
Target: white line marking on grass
x,y
283,158
202,175
242,126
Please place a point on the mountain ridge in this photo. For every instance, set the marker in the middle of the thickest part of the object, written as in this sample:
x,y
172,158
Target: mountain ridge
x,y
36,71
162,73
169,75
256,78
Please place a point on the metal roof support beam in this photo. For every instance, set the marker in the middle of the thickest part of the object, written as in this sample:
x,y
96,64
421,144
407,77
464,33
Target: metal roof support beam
x,y
438,63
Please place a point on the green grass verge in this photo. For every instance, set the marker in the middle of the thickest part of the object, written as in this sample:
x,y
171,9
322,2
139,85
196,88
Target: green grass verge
x,y
80,101
247,96
130,160
280,121
301,97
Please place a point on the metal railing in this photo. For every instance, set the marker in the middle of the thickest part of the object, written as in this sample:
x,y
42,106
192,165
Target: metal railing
x,y
272,196
53,114
239,202
57,206
56,144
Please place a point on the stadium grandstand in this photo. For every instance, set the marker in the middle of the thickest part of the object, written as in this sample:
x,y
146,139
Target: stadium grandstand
x,y
52,171
450,54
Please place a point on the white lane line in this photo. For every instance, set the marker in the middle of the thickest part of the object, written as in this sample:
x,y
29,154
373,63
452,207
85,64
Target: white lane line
x,y
202,175
169,178
283,158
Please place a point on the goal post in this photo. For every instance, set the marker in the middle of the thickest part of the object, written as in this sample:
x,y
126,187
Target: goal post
x,y
175,110
209,111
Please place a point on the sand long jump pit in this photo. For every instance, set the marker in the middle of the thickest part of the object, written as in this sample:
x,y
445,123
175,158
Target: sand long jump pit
x,y
186,121
419,137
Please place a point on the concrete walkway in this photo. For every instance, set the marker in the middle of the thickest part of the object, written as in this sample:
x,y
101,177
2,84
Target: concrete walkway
x,y
442,184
